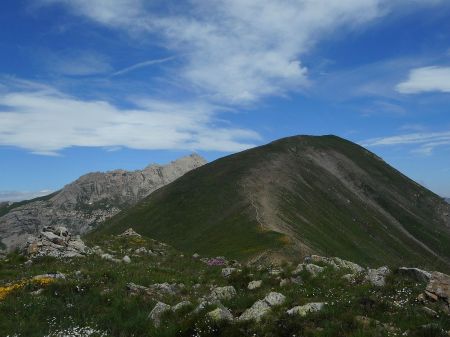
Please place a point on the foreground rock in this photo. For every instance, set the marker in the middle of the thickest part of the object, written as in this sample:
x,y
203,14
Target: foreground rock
x,y
303,310
439,287
158,311
56,242
221,314
415,273
262,307
377,277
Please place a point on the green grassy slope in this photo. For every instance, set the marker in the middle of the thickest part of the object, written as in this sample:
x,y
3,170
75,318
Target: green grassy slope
x,y
330,194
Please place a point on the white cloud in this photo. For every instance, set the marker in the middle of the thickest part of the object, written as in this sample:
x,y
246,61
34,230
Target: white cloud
x,y
14,196
141,65
238,51
44,120
426,141
426,79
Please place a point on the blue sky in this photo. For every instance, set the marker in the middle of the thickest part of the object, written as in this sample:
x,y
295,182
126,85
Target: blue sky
x,y
94,85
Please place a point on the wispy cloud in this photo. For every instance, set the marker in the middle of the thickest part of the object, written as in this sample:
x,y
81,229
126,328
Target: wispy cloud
x,y
44,120
76,63
239,51
14,196
425,142
141,65
426,79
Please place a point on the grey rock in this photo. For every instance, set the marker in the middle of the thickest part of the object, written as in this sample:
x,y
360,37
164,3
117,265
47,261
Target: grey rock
x,y
81,205
157,312
254,285
439,287
377,277
181,305
130,232
126,259
226,272
221,314
415,273
303,310
223,293
338,263
313,269
260,308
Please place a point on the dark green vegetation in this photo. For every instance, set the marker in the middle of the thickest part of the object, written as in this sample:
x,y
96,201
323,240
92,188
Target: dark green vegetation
x,y
296,196
6,207
96,297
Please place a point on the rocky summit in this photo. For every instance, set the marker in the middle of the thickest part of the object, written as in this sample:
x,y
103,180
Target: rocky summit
x,y
88,201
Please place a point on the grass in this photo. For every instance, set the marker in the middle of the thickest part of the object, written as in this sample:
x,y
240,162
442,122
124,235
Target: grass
x,y
96,297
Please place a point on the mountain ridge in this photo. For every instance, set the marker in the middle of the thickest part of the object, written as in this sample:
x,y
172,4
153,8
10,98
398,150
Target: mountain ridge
x,y
297,196
89,200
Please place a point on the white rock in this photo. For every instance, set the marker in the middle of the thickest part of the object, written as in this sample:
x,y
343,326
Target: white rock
x,y
228,271
377,277
157,312
256,311
126,259
221,314
313,269
303,310
181,305
223,293
254,284
274,298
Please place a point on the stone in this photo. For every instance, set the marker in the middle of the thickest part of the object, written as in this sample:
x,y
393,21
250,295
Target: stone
x,y
165,288
415,273
377,277
337,263
258,310
285,282
303,310
439,287
221,314
296,280
126,259
298,269
254,285
223,293
130,232
181,305
314,270
141,250
274,298
226,272
158,311
195,256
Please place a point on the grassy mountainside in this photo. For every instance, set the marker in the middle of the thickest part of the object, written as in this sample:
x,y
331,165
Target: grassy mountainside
x,y
296,196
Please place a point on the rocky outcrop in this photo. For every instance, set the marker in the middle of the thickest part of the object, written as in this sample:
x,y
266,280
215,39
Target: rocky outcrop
x,y
303,310
55,242
262,307
90,200
439,287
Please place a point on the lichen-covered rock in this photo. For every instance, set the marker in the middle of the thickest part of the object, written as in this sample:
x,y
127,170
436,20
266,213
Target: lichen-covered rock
x,y
439,287
254,285
256,311
226,272
56,242
223,293
313,269
221,314
303,310
415,273
181,305
130,232
338,263
274,298
377,277
157,312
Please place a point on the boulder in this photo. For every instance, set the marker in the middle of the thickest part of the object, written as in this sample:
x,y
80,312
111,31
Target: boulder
x,y
157,312
226,272
254,285
377,277
303,310
223,293
439,287
126,259
56,242
262,307
337,263
181,305
415,273
256,311
221,314
313,269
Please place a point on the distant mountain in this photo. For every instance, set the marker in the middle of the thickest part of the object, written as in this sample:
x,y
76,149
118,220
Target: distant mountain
x,y
293,197
448,200
89,200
